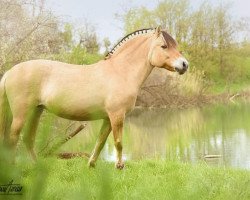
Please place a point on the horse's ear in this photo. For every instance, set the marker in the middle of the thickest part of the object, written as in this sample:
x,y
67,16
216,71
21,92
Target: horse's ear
x,y
158,31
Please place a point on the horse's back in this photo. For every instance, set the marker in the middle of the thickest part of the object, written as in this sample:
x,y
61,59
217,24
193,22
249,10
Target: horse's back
x,y
37,72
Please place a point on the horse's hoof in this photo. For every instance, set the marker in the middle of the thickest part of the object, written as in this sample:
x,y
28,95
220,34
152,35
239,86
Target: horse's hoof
x,y
119,165
91,164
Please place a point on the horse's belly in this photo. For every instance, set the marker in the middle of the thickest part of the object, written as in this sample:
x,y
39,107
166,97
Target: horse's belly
x,y
76,107
78,113
74,100
86,116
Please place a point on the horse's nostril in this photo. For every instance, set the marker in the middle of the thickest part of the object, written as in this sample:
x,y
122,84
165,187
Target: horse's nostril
x,y
185,65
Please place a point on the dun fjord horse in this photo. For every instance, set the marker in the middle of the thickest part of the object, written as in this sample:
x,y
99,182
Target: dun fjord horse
x,y
105,90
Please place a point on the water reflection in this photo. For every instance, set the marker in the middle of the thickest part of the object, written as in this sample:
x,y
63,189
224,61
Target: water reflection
x,y
189,135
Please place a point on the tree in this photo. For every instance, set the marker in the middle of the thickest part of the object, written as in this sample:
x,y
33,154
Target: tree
x,y
225,34
23,34
106,43
174,17
88,38
138,18
29,31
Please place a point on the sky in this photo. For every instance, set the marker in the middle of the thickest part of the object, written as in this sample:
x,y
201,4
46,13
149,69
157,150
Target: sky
x,y
101,13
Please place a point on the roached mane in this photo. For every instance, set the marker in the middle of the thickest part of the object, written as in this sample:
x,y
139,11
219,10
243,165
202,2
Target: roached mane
x,y
168,38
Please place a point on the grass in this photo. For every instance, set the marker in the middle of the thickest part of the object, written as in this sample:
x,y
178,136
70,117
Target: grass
x,y
52,178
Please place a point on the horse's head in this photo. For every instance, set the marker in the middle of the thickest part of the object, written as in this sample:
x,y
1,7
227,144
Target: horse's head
x,y
163,53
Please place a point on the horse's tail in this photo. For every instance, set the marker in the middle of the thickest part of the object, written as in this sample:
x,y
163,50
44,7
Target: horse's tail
x,y
4,110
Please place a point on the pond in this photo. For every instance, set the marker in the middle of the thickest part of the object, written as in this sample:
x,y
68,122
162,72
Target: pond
x,y
218,135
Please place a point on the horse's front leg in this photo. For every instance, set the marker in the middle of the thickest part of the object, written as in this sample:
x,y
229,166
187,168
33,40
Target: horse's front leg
x,y
117,120
103,135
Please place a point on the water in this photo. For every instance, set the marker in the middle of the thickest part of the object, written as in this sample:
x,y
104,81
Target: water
x,y
221,132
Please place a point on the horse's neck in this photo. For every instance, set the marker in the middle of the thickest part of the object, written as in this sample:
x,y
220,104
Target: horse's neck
x,y
138,72
133,63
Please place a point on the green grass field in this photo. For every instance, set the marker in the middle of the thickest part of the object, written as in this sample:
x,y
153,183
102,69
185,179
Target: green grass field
x,y
54,179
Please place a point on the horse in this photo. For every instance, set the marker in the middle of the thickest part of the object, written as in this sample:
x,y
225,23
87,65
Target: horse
x,y
105,90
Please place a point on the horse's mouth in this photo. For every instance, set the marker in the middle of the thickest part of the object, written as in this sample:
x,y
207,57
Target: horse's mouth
x,y
180,71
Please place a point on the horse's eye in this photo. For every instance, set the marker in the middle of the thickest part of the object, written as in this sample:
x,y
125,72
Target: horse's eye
x,y
164,46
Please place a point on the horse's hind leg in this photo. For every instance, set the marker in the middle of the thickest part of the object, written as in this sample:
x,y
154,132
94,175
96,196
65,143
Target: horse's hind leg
x,y
15,129
103,135
30,132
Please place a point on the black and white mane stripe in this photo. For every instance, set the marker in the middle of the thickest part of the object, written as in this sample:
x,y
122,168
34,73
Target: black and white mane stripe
x,y
128,37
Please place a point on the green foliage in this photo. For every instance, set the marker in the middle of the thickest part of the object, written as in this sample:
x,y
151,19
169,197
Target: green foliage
x,y
78,55
67,34
91,58
138,18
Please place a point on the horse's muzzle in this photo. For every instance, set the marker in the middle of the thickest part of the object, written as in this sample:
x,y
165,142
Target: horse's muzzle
x,y
181,71
181,65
